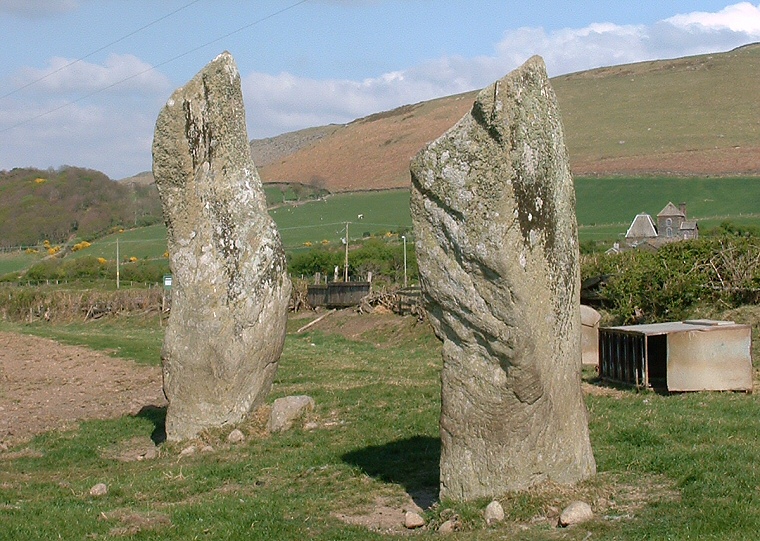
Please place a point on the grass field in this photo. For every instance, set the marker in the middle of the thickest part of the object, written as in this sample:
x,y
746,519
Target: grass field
x,y
681,467
605,209
16,261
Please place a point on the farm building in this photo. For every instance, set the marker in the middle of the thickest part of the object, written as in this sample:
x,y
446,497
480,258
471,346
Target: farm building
x,y
672,225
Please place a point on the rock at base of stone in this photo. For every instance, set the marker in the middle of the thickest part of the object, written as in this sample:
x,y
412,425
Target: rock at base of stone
x,y
494,512
493,207
575,513
446,527
230,287
413,520
285,411
236,436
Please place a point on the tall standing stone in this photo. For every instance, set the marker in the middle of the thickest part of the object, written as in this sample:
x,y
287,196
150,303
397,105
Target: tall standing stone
x,y
493,207
230,283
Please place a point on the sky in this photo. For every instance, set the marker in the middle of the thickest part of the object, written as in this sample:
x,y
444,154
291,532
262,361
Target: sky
x,y
82,81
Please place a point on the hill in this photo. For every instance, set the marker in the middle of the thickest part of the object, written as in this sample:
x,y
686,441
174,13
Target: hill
x,y
690,116
55,205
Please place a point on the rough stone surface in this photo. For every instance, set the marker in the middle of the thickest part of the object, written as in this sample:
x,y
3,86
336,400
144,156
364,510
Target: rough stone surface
x,y
230,285
101,489
494,512
575,513
188,451
413,520
285,411
447,527
590,319
493,207
236,436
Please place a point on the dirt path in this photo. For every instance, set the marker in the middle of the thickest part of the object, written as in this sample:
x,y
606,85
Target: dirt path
x,y
46,386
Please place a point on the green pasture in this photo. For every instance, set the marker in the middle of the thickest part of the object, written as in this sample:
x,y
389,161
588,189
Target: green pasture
x,y
16,261
679,467
605,209
325,220
142,243
617,200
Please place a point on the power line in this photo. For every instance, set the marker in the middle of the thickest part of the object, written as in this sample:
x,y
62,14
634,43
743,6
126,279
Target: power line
x,y
96,51
133,76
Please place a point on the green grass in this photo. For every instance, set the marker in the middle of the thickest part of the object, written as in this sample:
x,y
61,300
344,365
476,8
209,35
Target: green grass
x,y
142,243
605,209
618,200
670,467
325,220
653,107
16,261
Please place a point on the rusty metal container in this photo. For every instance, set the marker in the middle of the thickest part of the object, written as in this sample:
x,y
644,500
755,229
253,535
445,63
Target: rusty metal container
x,y
695,355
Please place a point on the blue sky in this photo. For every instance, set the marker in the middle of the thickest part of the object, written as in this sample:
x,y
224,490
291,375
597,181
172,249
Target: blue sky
x,y
303,63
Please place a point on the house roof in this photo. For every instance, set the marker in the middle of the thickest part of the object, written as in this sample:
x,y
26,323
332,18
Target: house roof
x,y
688,224
671,210
641,227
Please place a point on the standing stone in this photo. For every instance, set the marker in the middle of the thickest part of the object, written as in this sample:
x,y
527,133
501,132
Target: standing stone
x,y
230,285
493,207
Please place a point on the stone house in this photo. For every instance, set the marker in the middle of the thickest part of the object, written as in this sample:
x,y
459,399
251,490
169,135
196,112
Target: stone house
x,y
672,225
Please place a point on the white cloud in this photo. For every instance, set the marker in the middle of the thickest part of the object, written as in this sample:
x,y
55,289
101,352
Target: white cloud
x,y
49,123
119,73
37,8
105,137
743,17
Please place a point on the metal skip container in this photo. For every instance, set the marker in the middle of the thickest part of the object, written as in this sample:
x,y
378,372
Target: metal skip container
x,y
693,355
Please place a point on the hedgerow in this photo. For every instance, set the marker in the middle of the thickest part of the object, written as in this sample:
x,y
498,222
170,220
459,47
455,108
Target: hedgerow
x,y
672,282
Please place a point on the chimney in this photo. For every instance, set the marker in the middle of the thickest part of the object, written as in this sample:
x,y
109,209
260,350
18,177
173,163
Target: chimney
x,y
682,208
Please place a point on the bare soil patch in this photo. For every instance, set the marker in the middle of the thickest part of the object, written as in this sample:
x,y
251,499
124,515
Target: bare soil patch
x,y
48,386
382,328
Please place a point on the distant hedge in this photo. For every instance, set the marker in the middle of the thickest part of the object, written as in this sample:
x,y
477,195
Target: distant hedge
x,y
670,283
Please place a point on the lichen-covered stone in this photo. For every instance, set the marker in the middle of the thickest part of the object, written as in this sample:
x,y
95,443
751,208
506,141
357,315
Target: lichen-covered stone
x,y
230,283
493,207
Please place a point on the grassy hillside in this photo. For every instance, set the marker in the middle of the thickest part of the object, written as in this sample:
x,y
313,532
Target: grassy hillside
x,y
693,116
56,205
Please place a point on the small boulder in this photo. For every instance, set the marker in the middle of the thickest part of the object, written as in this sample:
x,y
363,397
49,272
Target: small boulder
x,y
494,512
575,513
447,527
101,489
207,449
188,451
285,411
413,520
236,436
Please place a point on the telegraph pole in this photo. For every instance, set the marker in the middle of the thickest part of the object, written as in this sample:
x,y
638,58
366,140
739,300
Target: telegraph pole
x,y
404,237
345,268
117,262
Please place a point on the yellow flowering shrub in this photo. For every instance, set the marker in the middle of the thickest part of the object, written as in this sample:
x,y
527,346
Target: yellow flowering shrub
x,y
80,246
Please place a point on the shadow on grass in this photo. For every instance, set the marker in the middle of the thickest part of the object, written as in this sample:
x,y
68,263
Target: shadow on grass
x,y
157,416
412,463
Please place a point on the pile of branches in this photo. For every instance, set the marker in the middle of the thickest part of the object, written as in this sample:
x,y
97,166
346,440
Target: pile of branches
x,y
399,301
299,297
41,304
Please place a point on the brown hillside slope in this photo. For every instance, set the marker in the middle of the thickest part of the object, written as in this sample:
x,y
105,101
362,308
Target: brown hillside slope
x,y
690,116
372,152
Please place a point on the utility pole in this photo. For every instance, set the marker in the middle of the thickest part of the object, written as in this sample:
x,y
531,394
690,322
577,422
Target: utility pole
x,y
117,262
404,238
345,268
